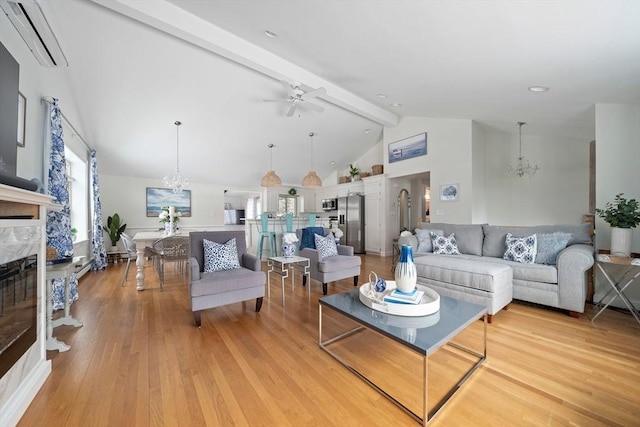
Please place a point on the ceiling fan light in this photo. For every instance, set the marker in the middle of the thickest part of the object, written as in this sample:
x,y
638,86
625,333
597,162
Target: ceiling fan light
x,y
311,179
271,180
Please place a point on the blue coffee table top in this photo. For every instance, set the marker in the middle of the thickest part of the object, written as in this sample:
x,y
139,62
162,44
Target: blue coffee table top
x,y
424,334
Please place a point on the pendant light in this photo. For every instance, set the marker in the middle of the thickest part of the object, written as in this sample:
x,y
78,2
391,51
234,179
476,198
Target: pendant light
x,y
176,181
271,179
523,166
311,179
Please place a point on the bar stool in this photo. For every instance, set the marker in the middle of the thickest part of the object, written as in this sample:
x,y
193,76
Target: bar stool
x,y
288,222
312,220
264,232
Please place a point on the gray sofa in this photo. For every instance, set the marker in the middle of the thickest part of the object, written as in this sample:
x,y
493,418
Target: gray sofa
x,y
561,283
208,290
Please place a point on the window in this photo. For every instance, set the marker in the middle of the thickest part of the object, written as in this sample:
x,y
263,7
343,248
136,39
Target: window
x,y
78,186
287,204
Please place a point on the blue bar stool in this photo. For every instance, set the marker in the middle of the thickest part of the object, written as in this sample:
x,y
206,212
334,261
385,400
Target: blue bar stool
x,y
264,232
288,219
312,220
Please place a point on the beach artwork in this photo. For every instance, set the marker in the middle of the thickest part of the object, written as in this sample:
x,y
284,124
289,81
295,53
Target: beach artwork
x,y
159,197
408,148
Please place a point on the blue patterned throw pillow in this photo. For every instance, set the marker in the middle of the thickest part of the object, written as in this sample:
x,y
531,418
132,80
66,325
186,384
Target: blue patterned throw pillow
x,y
521,249
444,245
218,256
326,245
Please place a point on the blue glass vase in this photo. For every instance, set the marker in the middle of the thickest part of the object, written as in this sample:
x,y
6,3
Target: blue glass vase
x,y
405,273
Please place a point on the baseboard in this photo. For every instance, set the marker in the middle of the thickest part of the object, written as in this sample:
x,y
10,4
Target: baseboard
x,y
18,403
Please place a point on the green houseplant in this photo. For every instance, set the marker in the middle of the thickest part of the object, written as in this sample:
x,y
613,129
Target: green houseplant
x,y
622,215
353,172
114,228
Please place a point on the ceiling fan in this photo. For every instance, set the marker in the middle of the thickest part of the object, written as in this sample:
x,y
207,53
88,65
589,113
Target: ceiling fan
x,y
297,97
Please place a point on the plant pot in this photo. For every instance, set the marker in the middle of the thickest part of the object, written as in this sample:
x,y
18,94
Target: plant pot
x,y
170,228
621,241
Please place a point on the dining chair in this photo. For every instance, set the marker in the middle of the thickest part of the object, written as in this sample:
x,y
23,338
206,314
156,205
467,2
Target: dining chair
x,y
173,249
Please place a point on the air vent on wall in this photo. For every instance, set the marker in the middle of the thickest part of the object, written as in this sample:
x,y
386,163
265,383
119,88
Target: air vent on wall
x,y
32,25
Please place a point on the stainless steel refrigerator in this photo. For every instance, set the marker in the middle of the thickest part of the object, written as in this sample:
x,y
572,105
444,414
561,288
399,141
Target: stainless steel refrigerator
x,y
351,221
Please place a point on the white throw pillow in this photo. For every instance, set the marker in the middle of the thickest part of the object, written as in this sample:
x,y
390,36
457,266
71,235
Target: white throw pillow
x,y
218,256
444,245
521,249
326,245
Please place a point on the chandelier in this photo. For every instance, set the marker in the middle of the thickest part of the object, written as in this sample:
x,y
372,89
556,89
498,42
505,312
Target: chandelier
x,y
176,181
311,179
523,166
271,179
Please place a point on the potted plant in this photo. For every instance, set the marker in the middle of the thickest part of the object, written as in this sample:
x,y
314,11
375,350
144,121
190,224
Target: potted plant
x,y
167,213
74,233
622,215
114,229
354,172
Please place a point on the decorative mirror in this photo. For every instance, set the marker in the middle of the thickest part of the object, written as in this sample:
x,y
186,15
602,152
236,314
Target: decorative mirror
x,y
404,210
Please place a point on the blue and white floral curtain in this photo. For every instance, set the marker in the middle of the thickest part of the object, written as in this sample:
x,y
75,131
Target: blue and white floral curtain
x,y
59,223
97,241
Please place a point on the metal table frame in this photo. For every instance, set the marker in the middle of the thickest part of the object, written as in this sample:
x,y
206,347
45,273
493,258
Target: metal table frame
x,y
282,265
631,275
426,415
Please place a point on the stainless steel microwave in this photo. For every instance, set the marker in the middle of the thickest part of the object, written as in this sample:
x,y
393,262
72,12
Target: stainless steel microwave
x,y
329,204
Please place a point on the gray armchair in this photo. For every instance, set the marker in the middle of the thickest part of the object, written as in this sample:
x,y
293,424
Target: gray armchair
x,y
208,290
330,269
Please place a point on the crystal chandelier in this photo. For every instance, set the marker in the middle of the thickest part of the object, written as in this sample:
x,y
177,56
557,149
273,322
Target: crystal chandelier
x,y
176,181
523,166
271,179
311,179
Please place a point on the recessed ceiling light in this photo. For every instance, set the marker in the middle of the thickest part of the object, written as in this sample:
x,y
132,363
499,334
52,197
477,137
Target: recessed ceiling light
x,y
270,34
538,89
366,131
381,95
396,104
333,162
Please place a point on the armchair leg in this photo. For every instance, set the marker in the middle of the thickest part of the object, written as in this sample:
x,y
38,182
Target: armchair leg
x,y
355,280
196,316
324,288
304,280
258,304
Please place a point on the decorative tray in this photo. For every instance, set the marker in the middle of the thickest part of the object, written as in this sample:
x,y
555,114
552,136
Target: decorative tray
x,y
430,301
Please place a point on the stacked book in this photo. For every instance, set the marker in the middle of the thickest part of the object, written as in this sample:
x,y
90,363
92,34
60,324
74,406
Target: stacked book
x,y
399,297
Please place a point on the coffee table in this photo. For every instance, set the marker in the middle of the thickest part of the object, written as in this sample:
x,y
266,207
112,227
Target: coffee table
x,y
281,266
425,336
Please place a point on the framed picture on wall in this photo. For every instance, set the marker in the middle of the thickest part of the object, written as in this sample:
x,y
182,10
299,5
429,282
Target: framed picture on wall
x,y
408,148
449,192
22,115
159,197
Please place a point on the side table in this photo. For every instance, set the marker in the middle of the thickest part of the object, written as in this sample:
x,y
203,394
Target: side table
x,y
281,265
62,271
631,274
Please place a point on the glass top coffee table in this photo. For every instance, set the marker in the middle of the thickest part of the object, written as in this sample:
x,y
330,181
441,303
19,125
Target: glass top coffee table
x,y
423,335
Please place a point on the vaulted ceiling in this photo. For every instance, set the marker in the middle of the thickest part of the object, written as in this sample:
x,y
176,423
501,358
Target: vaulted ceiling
x,y
135,67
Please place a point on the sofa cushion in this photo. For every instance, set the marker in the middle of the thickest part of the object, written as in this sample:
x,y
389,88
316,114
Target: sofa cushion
x,y
461,271
495,235
326,245
424,239
550,245
521,249
226,280
308,240
528,272
219,256
338,263
468,236
444,245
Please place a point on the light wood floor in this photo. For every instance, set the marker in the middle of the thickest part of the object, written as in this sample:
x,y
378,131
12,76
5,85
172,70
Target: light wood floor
x,y
140,361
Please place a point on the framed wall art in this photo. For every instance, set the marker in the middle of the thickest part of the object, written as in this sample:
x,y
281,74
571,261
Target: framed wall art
x,y
22,118
449,192
159,197
408,148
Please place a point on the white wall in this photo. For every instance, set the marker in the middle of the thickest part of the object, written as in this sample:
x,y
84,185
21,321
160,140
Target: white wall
x,y
617,162
449,159
557,194
479,155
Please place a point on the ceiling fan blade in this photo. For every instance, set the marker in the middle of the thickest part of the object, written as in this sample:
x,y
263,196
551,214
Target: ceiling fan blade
x,y
314,107
316,92
292,110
